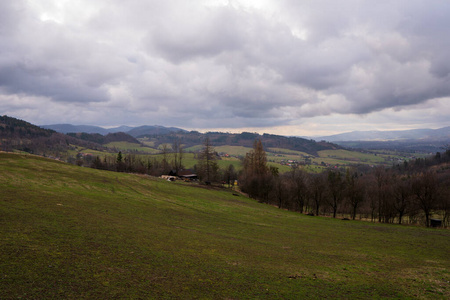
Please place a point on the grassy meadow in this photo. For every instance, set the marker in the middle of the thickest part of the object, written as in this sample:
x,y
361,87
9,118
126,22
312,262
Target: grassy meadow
x,y
127,146
277,157
72,232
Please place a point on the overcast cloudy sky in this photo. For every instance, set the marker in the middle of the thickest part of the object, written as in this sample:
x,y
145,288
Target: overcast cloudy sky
x,y
284,66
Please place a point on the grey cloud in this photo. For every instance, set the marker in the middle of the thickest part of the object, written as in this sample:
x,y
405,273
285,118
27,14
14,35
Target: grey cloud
x,y
211,64
23,79
381,21
11,12
47,59
196,34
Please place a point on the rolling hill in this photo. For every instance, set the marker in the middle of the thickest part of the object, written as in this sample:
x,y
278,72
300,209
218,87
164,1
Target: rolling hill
x,y
81,147
19,135
69,128
71,232
157,135
133,131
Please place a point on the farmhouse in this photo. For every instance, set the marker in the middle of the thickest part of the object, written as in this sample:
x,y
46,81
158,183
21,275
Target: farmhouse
x,y
187,175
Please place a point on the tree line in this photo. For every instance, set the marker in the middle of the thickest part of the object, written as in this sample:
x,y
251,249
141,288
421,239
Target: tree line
x,y
169,161
409,193
172,159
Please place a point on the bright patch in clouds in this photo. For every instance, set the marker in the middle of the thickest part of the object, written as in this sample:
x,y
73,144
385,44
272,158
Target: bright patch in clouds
x,y
286,67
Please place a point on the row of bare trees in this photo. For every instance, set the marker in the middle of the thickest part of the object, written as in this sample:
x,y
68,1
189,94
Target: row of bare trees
x,y
385,195
171,159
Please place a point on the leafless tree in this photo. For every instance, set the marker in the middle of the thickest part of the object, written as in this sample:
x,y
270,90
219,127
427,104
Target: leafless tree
x,y
299,188
335,185
165,158
402,195
426,192
317,190
177,151
207,165
354,191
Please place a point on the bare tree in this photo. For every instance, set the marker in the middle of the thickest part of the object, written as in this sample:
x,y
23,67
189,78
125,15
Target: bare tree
x,y
256,178
402,195
354,191
383,183
280,191
426,191
165,158
230,175
335,190
317,190
299,188
255,161
207,164
177,151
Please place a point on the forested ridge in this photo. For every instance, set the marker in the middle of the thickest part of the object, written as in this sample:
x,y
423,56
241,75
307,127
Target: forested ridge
x,y
244,139
20,135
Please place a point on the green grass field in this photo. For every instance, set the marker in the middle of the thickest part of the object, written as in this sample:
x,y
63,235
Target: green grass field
x,y
277,157
70,232
345,156
233,150
127,146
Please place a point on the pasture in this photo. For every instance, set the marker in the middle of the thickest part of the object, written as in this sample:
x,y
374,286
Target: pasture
x,y
73,232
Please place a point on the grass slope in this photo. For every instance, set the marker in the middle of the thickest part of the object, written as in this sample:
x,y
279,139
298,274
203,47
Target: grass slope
x,y
72,232
127,146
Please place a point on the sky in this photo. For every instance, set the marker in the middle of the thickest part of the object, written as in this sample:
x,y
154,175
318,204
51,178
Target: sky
x,y
289,67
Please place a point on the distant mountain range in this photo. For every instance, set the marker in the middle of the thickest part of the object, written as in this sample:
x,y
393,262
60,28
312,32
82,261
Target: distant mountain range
x,y
372,136
422,140
414,134
133,131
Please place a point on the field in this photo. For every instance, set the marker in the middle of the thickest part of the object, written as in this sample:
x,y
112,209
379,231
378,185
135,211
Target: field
x,y
277,157
72,232
345,156
131,147
233,150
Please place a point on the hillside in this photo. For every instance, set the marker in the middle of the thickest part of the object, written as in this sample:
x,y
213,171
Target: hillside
x,y
12,127
244,139
161,135
69,128
283,152
20,135
133,131
71,232
105,139
410,146
151,130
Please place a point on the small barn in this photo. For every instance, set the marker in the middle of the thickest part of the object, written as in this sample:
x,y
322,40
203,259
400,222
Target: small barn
x,y
187,175
435,223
